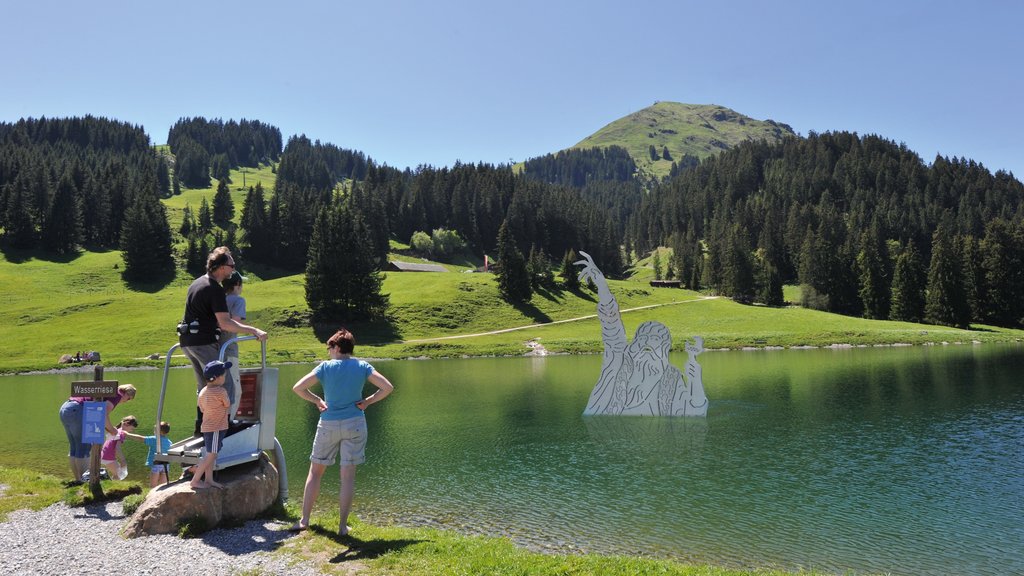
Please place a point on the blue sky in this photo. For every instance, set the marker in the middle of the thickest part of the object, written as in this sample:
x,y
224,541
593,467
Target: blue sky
x,y
438,81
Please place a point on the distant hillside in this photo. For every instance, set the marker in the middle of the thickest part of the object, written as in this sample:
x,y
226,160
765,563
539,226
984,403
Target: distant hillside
x,y
694,129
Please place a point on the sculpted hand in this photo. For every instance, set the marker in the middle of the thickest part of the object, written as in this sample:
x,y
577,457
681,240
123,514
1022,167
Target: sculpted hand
x,y
591,273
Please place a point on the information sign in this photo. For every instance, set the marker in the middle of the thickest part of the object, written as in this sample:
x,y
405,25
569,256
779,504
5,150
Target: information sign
x,y
94,418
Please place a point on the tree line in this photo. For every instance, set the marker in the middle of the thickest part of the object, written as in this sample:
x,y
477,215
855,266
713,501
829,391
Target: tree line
x,y
85,181
210,148
861,223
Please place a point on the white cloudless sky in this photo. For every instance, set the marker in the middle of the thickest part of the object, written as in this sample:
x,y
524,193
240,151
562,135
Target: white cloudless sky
x,y
435,82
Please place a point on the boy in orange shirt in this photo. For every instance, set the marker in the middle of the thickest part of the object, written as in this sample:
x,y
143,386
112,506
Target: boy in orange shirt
x,y
214,404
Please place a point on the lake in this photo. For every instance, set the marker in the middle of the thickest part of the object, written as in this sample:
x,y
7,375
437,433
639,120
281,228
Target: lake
x,y
907,460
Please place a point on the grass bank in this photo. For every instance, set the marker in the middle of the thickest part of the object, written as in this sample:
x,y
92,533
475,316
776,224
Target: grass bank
x,y
388,549
58,306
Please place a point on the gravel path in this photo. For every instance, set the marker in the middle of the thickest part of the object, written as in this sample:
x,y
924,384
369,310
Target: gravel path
x,y
64,540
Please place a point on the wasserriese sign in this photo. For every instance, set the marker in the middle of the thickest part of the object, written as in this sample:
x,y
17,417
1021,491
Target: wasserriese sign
x,y
94,388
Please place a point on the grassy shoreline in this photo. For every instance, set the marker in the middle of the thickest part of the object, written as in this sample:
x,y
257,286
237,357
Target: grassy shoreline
x,y
391,549
81,303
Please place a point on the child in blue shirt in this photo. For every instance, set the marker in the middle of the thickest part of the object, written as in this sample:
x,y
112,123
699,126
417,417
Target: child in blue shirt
x,y
157,472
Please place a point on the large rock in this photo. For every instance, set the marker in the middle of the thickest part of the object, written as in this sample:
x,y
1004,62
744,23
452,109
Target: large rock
x,y
249,489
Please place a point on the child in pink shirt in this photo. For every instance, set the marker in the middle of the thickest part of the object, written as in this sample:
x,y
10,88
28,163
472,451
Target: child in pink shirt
x,y
112,456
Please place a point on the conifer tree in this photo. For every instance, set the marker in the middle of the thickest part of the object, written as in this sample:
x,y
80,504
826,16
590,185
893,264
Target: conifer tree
x,y
656,263
223,206
188,222
146,246
946,302
570,272
513,277
1004,277
875,276
908,286
342,280
205,218
62,227
18,227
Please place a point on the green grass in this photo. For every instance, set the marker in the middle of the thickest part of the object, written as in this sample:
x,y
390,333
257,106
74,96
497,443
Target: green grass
x,y
27,490
429,552
60,306
193,197
373,549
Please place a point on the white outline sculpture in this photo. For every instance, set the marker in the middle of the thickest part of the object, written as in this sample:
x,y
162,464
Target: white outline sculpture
x,y
637,378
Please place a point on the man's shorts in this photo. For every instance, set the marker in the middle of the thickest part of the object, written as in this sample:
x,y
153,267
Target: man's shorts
x,y
347,438
213,441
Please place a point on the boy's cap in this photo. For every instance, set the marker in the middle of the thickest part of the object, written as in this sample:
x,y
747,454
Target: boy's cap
x,y
215,368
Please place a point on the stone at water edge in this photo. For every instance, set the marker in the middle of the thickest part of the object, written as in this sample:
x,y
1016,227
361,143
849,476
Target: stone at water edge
x,y
249,489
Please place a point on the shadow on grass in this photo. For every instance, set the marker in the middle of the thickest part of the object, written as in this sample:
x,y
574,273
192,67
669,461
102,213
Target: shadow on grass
x,y
532,312
357,549
152,284
22,255
369,332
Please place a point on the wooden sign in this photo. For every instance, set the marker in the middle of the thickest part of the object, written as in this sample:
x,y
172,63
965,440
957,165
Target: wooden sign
x,y
94,388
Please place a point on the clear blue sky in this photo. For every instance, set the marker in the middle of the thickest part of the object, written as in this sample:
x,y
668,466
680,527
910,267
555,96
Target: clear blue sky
x,y
432,82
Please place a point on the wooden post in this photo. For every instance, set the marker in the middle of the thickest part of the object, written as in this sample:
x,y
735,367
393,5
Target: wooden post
x,y
96,389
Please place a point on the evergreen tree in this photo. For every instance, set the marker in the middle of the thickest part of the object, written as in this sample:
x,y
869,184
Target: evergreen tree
x,y
146,246
176,184
570,272
1004,277
908,286
875,276
767,280
61,230
665,153
254,223
656,263
188,222
946,302
513,277
205,218
18,227
223,206
653,152
342,280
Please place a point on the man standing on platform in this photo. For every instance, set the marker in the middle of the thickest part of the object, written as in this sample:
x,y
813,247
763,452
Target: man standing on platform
x,y
206,315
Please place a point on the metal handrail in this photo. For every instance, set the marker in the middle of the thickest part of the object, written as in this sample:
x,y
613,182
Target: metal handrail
x,y
167,367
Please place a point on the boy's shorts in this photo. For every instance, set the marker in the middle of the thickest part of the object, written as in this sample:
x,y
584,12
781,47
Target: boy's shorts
x,y
213,441
158,468
347,438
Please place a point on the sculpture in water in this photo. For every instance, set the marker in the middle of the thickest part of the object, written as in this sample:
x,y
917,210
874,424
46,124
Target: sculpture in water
x,y
637,378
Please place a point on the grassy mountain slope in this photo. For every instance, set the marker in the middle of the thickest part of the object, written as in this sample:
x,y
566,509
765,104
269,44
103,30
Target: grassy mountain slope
x,y
695,129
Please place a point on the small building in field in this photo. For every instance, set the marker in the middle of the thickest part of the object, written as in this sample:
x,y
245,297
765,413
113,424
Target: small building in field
x,y
667,283
397,266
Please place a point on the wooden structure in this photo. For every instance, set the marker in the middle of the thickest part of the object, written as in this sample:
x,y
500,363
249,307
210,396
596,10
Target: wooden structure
x,y
398,266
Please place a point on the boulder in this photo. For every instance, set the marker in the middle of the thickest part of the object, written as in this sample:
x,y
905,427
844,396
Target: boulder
x,y
249,489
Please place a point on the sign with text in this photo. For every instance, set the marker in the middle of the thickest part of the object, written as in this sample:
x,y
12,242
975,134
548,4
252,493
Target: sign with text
x,y
94,388
94,418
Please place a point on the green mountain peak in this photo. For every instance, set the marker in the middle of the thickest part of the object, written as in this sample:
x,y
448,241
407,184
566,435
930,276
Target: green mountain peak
x,y
696,129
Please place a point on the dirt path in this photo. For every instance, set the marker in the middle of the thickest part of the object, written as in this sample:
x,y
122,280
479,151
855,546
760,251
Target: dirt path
x,y
702,298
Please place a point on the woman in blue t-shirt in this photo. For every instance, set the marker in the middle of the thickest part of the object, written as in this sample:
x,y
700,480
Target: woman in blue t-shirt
x,y
342,426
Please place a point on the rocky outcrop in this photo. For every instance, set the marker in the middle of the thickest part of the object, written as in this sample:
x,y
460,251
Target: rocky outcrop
x,y
249,489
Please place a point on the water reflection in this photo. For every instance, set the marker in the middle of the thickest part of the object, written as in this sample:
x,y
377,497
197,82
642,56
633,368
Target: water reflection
x,y
870,460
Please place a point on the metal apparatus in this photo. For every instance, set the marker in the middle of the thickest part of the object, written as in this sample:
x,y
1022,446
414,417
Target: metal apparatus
x,y
252,427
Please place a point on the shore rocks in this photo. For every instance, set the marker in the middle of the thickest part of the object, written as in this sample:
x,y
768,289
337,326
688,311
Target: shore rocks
x,y
249,489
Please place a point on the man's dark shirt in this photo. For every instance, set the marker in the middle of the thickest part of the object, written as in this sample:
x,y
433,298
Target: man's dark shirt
x,y
205,298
